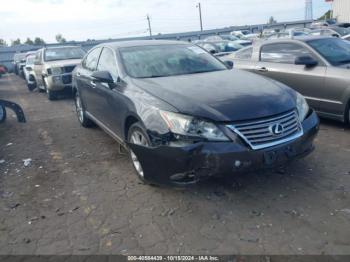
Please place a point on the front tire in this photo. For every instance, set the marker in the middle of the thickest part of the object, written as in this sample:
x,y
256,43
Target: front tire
x,y
138,135
51,95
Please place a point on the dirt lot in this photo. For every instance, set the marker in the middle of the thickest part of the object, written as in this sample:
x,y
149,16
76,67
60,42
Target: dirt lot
x,y
80,196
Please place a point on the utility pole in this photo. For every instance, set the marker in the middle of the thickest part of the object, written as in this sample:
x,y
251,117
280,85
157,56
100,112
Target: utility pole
x,y
149,26
200,15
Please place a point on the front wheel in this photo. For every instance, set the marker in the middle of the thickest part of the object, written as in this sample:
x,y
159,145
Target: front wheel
x,y
51,95
138,136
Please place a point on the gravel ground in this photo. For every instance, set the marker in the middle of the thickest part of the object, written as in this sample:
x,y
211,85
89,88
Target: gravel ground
x,y
79,195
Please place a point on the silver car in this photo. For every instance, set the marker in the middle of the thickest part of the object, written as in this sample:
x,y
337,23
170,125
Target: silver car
x,y
317,67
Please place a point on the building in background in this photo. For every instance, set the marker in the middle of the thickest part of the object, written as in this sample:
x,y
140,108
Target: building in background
x,y
341,10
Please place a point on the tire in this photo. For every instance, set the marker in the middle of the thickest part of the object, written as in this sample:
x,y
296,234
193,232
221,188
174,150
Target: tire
x,y
3,113
51,95
79,109
137,130
347,114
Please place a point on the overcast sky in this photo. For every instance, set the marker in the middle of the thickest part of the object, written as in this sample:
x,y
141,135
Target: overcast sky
x,y
100,19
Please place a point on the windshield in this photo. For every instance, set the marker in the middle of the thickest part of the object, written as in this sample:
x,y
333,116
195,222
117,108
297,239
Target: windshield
x,y
30,60
64,53
167,60
227,46
336,51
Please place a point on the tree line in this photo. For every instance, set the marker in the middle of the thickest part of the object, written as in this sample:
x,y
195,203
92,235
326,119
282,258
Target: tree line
x,y
29,41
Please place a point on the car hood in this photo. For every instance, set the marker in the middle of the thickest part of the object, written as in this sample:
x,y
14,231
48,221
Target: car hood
x,y
61,63
228,95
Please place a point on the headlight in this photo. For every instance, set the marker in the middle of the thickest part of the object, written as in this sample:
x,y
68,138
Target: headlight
x,y
302,107
190,126
55,70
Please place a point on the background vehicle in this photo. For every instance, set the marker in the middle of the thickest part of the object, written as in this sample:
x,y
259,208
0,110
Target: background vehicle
x,y
29,72
237,40
288,34
323,23
53,68
18,63
174,104
245,34
3,70
317,67
220,48
331,31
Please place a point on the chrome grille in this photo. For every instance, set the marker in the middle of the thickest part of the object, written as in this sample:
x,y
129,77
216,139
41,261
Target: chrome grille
x,y
269,132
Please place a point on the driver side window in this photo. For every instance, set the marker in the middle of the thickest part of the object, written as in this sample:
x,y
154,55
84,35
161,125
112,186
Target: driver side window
x,y
107,62
90,61
283,53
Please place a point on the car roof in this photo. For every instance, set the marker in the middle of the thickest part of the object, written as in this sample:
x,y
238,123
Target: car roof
x,y
64,46
134,43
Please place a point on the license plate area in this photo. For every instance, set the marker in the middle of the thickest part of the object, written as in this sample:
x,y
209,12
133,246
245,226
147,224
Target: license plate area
x,y
279,155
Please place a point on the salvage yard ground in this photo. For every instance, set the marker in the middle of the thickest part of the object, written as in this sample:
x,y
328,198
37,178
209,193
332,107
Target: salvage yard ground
x,y
79,195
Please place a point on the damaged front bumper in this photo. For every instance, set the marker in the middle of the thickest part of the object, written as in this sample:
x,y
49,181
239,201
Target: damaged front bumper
x,y
168,165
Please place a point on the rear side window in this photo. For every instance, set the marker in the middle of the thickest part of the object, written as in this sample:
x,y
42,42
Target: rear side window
x,y
245,54
283,53
107,62
90,61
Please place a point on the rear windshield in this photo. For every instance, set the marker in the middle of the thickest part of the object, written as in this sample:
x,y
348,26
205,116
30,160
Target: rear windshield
x,y
64,53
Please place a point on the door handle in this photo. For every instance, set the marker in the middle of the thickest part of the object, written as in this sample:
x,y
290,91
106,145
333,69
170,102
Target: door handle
x,y
262,69
93,84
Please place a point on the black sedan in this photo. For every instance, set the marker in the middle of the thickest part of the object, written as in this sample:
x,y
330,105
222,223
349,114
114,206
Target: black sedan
x,y
184,115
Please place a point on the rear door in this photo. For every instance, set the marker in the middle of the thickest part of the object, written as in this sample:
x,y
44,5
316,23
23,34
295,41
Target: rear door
x,y
87,87
277,61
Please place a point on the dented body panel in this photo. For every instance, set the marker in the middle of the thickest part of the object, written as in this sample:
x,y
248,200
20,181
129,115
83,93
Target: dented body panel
x,y
192,163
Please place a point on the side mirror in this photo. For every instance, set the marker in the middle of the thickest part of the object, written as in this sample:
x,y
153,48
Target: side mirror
x,y
103,77
229,64
335,35
307,61
2,113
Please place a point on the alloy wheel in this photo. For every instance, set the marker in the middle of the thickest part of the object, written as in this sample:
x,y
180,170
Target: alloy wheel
x,y
138,138
79,108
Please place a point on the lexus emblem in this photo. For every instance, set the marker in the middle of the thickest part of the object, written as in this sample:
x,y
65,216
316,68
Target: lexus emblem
x,y
276,129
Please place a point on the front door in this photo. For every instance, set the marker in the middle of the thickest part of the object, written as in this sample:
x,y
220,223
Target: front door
x,y
277,61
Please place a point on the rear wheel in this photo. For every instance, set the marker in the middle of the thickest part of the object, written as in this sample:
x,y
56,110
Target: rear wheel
x,y
83,119
138,136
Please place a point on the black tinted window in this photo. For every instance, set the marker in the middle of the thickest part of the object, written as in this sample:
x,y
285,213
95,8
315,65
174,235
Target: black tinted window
x,y
91,59
283,53
107,62
245,54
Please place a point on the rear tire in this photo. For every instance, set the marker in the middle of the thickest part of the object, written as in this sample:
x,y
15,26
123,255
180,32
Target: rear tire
x,y
79,108
138,135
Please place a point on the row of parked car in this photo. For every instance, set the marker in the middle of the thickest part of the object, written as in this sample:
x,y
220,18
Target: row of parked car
x,y
185,115
50,69
221,45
